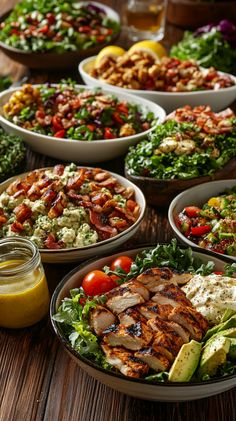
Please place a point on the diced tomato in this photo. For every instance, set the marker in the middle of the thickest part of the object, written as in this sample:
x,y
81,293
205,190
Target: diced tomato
x,y
44,29
192,211
100,38
218,272
123,108
60,133
84,29
51,18
117,118
200,230
56,122
91,127
108,133
15,32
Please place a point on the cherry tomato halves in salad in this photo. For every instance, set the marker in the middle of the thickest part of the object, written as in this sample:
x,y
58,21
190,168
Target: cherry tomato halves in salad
x,y
97,282
122,262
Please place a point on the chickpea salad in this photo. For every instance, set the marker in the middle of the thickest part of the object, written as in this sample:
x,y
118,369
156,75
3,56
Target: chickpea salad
x,y
142,70
192,142
162,315
56,26
67,207
64,111
213,226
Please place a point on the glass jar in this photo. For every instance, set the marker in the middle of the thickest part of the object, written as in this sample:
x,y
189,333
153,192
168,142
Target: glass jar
x,y
24,295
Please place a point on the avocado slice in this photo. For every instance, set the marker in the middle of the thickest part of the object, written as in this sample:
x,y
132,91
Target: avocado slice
x,y
213,355
232,349
230,323
186,362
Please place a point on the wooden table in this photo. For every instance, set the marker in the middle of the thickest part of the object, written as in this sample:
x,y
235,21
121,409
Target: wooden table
x,y
38,380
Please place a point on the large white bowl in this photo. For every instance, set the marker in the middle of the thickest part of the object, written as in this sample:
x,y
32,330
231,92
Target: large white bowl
x,y
218,99
105,246
196,196
78,150
168,392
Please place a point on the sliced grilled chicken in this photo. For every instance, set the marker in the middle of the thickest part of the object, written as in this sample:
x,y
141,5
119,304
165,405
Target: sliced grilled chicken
x,y
171,294
167,344
159,325
154,359
181,277
100,318
125,361
191,320
153,277
134,337
131,316
151,310
127,295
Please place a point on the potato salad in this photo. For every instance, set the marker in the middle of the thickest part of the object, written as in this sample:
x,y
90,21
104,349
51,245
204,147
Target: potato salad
x,y
66,207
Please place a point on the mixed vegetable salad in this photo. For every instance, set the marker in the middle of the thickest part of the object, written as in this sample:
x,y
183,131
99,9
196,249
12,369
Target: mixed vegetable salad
x,y
135,317
5,82
213,226
67,207
64,111
12,152
210,45
56,26
191,143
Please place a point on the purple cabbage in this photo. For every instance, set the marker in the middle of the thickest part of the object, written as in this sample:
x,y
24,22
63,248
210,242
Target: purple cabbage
x,y
225,27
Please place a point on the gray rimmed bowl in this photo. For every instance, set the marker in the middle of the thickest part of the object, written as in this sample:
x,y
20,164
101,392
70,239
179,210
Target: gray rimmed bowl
x,y
142,389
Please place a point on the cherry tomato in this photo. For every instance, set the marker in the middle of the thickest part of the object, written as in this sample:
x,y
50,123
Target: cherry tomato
x,y
122,262
97,283
60,133
108,133
192,211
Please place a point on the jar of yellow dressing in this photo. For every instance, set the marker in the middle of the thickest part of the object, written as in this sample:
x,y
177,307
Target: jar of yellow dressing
x,y
24,296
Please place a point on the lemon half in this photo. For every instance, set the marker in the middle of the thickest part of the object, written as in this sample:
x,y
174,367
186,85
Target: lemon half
x,y
109,51
155,49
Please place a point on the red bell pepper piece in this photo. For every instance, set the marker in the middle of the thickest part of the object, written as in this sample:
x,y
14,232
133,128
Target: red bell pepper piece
x,y
192,211
200,230
56,122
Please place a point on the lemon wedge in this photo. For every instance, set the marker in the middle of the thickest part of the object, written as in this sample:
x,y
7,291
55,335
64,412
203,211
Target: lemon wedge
x,y
155,49
109,51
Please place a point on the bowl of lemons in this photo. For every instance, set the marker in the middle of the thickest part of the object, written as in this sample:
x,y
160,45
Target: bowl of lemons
x,y
146,70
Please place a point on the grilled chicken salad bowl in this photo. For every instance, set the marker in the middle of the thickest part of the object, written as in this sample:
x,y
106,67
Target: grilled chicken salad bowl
x,y
71,213
157,323
77,123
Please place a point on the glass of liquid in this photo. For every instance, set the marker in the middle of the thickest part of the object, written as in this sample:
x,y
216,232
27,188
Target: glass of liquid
x,y
145,19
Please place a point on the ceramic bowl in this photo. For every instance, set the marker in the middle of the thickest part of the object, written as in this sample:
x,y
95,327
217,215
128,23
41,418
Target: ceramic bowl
x,y
52,60
161,192
78,150
142,389
77,254
196,196
218,99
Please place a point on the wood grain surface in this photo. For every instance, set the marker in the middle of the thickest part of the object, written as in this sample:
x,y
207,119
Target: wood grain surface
x,y
38,380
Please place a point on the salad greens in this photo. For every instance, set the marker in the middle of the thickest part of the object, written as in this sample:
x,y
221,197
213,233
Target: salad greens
x,y
211,45
5,82
73,313
56,26
146,160
12,152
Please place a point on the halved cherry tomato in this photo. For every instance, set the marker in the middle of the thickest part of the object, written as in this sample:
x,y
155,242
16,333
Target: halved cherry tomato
x,y
192,211
108,133
97,283
122,262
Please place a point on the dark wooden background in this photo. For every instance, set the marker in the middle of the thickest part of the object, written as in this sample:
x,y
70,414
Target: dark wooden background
x,y
38,380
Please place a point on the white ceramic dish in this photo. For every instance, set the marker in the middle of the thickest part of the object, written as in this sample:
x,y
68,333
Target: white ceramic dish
x,y
78,150
196,196
218,99
105,246
142,389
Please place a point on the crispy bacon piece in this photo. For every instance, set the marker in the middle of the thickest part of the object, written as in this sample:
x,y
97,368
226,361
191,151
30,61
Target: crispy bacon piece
x,y
3,220
22,212
109,182
126,212
34,192
75,182
48,196
58,205
19,194
97,219
101,176
17,227
44,182
51,243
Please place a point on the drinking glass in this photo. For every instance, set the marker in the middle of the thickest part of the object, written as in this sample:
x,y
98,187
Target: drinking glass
x,y
145,19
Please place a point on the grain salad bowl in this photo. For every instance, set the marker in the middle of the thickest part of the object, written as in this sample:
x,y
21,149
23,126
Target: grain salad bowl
x,y
75,254
217,99
138,388
79,150
196,196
